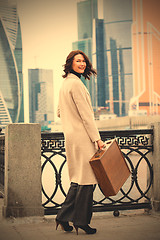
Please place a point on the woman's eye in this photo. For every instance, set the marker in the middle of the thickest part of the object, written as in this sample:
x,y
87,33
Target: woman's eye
x,y
80,61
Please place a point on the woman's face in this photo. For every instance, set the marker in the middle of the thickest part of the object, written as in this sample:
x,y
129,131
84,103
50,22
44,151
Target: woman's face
x,y
79,63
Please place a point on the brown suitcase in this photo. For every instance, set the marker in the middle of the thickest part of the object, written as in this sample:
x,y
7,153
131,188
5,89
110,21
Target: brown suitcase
x,y
110,168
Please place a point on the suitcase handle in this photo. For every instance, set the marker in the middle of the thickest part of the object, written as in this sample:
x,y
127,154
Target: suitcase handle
x,y
97,155
100,150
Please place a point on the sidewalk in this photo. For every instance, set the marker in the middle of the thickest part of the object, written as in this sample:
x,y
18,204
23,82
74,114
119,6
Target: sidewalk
x,y
130,225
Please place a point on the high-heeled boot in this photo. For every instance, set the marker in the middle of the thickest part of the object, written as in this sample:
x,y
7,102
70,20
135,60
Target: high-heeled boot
x,y
86,228
64,225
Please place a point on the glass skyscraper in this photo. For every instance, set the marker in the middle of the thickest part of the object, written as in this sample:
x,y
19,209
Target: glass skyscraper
x,y
111,52
100,62
11,80
118,26
86,12
85,45
41,96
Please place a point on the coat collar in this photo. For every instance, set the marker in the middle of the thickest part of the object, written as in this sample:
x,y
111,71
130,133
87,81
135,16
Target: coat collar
x,y
71,75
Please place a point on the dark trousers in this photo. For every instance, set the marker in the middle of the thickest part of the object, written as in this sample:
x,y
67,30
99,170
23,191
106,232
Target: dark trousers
x,y
77,207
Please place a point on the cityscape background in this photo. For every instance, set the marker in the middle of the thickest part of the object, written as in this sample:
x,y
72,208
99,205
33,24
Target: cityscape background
x,y
48,28
121,37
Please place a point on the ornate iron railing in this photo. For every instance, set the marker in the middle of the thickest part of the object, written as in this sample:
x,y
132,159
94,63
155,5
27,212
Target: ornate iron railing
x,y
136,146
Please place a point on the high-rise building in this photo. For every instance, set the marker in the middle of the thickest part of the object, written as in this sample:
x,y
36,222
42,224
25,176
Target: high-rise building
x,y
118,25
41,96
86,12
85,45
146,57
100,62
11,78
111,52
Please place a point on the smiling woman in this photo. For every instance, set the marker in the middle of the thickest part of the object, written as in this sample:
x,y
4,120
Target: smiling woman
x,y
81,139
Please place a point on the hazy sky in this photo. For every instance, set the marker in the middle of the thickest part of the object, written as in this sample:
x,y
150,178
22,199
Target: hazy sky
x,y
48,29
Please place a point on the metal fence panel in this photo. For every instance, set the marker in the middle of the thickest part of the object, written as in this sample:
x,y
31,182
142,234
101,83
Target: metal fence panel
x,y
136,145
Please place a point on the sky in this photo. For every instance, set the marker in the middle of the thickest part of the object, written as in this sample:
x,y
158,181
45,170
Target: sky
x,y
48,29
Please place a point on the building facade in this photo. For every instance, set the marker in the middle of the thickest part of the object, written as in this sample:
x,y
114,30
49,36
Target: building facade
x,y
111,52
41,96
11,77
146,57
118,26
100,62
86,12
85,45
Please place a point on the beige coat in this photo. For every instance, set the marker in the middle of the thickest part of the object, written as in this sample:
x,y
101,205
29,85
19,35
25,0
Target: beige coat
x,y
79,128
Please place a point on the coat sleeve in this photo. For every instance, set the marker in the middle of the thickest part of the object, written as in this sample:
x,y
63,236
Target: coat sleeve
x,y
83,103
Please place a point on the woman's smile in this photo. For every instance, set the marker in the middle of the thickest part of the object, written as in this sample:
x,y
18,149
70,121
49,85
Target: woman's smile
x,y
79,63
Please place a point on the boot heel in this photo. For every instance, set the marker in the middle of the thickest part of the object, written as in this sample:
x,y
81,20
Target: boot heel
x,y
76,228
57,224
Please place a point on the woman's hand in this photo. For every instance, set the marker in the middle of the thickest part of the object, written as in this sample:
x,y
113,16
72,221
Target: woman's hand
x,y
100,144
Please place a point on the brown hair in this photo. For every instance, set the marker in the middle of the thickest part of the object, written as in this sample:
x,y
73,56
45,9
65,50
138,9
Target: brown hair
x,y
68,65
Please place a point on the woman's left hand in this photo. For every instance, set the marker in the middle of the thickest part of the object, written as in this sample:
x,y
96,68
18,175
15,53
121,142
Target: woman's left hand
x,y
100,144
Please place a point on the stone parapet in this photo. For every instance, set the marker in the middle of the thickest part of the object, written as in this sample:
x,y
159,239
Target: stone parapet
x,y
22,192
156,167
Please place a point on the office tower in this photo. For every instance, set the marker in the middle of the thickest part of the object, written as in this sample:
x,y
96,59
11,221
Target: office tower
x,y
111,52
100,62
86,12
11,81
85,45
41,96
146,57
118,24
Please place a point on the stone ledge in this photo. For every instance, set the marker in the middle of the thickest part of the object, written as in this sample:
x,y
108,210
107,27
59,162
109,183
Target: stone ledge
x,y
18,212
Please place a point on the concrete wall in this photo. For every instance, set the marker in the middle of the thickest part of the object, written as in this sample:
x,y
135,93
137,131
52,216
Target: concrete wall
x,y
23,194
127,123
120,123
113,124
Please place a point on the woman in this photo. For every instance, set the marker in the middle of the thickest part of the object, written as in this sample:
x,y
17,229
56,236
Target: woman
x,y
81,141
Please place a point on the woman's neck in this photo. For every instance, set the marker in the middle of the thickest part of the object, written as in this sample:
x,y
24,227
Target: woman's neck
x,y
76,73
